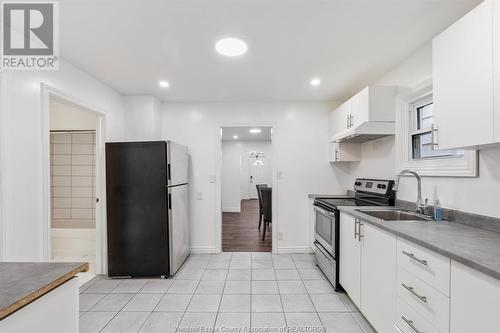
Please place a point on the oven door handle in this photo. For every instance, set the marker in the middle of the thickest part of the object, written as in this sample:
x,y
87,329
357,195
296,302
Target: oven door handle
x,y
324,211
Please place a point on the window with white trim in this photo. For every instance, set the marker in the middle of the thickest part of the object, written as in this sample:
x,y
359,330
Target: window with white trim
x,y
414,141
421,128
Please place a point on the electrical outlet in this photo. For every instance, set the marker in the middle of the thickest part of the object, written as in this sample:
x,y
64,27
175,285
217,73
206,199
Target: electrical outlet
x,y
199,195
280,235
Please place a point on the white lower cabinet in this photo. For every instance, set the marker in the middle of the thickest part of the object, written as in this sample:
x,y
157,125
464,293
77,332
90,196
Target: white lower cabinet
x,y
368,270
410,321
378,277
402,287
430,303
474,301
350,258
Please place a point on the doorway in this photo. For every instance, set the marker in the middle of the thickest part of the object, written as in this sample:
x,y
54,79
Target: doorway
x,y
247,161
73,154
73,185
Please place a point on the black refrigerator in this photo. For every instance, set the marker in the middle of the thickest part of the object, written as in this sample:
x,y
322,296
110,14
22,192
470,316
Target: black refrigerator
x,y
147,208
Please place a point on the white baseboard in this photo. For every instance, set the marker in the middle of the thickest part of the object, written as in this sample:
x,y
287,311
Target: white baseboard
x,y
203,249
294,249
236,209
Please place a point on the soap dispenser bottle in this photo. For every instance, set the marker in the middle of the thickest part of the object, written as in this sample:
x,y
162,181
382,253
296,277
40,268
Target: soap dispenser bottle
x,y
438,211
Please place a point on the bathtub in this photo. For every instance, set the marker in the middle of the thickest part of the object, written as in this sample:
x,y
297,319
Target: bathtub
x,y
73,245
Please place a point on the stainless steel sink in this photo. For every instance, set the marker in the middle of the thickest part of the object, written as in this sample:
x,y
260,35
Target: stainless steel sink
x,y
395,215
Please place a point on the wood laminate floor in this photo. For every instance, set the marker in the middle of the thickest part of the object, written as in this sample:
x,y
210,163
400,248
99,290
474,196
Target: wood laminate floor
x,y
240,231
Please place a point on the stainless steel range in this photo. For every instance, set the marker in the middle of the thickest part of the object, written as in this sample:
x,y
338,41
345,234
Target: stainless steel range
x,y
367,192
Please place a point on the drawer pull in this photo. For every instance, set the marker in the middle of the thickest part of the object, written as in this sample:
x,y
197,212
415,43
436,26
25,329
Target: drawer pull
x,y
412,290
410,323
412,256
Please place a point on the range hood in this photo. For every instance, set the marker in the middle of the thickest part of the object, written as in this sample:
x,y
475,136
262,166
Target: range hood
x,y
367,131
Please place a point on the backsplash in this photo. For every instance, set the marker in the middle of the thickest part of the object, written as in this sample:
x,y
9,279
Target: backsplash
x,y
474,220
72,166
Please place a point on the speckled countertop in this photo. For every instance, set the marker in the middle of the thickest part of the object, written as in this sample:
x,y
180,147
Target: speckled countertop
x,y
473,247
23,282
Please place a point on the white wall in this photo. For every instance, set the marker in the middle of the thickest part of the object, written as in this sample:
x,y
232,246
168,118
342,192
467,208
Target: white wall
x,y
300,131
21,142
235,171
475,195
66,117
142,121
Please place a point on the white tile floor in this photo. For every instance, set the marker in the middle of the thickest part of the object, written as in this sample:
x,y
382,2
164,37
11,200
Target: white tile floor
x,y
230,292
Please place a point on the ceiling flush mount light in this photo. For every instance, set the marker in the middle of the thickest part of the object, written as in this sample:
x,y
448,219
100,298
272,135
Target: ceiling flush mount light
x,y
231,47
164,84
235,137
255,130
315,82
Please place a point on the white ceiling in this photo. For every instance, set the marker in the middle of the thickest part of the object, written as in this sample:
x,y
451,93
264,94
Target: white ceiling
x,y
131,45
244,134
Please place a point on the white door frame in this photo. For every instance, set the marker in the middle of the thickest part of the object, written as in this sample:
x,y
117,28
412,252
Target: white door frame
x,y
3,232
47,92
218,187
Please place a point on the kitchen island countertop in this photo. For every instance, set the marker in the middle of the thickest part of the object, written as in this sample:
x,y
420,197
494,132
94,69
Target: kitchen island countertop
x,y
23,282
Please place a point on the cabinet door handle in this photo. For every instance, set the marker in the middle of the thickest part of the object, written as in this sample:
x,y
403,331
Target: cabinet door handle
x,y
412,256
355,227
360,235
351,121
410,323
347,121
336,155
412,290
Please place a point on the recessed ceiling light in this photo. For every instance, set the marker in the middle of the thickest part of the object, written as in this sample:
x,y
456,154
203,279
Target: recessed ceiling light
x,y
255,130
315,82
231,47
164,84
235,137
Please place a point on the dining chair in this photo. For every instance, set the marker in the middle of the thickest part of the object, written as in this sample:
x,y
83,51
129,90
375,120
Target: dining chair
x,y
261,211
266,194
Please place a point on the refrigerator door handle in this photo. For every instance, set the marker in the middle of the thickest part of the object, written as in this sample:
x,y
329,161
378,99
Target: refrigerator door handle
x,y
169,172
170,201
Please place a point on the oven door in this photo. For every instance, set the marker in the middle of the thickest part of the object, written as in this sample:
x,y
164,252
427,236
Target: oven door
x,y
324,228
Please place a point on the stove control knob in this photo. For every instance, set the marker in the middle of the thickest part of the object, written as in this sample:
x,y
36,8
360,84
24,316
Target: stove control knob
x,y
382,186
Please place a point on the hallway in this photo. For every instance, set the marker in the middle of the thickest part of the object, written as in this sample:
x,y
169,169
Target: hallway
x,y
240,231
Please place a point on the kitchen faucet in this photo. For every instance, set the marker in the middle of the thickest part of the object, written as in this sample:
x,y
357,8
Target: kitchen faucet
x,y
420,205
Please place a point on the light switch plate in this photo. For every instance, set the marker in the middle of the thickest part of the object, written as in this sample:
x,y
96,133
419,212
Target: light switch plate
x,y
211,179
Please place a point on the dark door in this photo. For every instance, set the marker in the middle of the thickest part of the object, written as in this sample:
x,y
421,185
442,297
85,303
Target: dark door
x,y
137,209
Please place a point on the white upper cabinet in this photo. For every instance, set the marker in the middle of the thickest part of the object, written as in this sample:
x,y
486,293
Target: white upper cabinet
x,y
464,64
368,115
496,65
344,152
339,120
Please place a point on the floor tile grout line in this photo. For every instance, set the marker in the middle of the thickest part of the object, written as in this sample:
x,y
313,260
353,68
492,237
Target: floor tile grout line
x,y
251,291
118,310
189,303
227,269
221,296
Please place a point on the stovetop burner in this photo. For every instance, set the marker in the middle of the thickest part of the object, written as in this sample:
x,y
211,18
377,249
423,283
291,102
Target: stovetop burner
x,y
335,202
368,192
